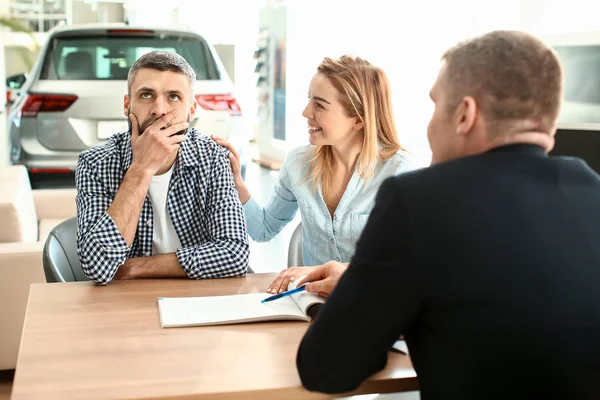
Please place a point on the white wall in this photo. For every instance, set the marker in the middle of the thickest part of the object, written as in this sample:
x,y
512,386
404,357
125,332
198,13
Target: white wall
x,y
548,17
232,22
100,12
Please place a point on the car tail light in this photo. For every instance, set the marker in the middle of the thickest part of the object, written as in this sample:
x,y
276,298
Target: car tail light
x,y
50,170
46,103
8,97
219,102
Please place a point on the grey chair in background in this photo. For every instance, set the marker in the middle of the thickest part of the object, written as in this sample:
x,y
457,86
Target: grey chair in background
x,y
295,249
61,262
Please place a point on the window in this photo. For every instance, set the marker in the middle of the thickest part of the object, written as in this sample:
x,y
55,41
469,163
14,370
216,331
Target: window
x,y
39,15
109,58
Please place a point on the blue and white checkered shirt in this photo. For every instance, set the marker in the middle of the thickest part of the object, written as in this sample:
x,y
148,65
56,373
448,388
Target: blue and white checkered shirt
x,y
202,202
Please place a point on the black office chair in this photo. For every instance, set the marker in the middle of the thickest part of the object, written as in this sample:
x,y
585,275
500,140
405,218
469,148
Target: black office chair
x,y
295,248
60,259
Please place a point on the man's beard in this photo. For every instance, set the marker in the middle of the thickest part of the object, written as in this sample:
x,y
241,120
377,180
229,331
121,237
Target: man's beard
x,y
149,121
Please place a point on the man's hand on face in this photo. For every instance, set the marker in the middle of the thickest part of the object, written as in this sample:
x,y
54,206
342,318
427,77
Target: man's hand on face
x,y
152,148
324,278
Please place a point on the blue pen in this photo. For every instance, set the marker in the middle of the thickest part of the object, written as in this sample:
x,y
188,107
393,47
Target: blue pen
x,y
277,296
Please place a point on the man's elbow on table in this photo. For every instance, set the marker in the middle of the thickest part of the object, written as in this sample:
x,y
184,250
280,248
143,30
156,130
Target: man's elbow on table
x,y
100,270
241,271
239,265
233,270
330,382
240,259
232,262
93,274
318,373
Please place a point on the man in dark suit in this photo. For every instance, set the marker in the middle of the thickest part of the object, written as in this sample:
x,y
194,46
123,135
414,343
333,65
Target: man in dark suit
x,y
488,261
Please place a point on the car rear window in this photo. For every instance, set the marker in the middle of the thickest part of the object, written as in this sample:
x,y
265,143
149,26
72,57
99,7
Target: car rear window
x,y
109,57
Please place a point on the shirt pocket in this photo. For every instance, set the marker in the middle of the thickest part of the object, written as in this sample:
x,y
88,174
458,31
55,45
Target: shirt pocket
x,y
357,225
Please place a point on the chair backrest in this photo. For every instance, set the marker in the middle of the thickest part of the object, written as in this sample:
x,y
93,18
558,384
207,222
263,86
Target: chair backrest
x,y
295,249
61,262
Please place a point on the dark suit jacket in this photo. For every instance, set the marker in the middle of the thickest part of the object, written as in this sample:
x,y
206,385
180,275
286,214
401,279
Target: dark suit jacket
x,y
490,267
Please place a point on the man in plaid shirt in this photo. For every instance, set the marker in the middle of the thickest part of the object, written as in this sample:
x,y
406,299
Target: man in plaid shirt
x,y
159,201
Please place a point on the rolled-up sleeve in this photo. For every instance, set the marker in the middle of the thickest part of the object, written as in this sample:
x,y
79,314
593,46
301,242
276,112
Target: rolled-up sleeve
x,y
227,252
100,246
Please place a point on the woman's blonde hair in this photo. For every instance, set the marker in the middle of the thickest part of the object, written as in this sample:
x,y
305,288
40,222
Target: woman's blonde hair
x,y
364,93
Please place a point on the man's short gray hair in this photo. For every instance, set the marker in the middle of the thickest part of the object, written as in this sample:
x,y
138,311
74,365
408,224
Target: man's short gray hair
x,y
515,78
162,61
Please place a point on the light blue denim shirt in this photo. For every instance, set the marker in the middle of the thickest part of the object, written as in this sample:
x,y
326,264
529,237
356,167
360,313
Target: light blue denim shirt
x,y
323,238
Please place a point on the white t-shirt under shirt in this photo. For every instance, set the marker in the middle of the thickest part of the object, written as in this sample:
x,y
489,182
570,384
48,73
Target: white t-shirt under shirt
x,y
164,237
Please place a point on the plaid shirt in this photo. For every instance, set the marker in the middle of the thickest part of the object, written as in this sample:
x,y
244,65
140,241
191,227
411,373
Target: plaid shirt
x,y
202,202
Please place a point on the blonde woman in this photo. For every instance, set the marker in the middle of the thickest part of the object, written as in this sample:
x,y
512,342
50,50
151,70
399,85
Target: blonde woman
x,y
333,181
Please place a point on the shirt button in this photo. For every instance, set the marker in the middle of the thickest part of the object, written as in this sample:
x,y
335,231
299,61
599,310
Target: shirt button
x,y
332,241
148,222
337,259
147,253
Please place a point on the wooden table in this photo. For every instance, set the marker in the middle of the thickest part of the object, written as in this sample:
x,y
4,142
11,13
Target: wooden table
x,y
82,341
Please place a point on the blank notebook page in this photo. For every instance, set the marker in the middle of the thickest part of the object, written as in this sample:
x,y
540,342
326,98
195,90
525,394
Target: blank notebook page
x,y
215,310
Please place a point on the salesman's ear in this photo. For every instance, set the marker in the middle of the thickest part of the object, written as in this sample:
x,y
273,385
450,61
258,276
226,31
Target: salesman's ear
x,y
466,115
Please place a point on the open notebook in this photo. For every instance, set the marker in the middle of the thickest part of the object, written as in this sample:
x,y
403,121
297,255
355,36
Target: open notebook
x,y
236,309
